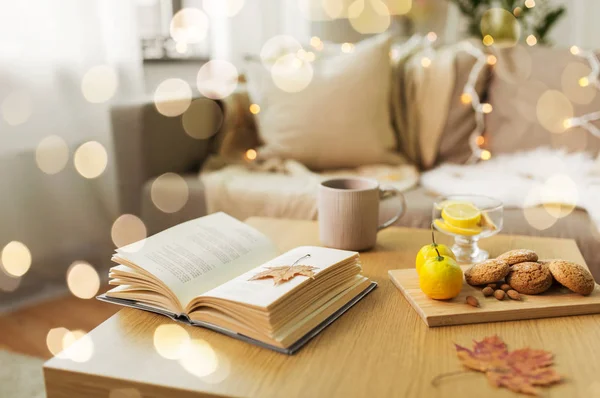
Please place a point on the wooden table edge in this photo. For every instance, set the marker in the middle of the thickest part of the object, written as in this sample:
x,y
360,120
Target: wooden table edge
x,y
61,383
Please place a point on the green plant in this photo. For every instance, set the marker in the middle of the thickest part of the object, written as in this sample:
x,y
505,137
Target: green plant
x,y
537,19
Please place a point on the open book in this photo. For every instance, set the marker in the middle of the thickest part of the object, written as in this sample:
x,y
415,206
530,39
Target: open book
x,y
210,272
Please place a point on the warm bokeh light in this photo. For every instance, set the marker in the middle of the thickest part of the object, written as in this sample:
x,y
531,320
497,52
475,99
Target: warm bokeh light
x,y
517,11
333,8
466,98
491,59
531,40
99,84
369,17
310,56
486,155
199,358
431,36
128,229
316,42
217,79
54,340
486,108
202,119
171,341
291,74
251,154
52,154
425,62
189,25
568,123
584,81
181,47
499,26
347,47
399,7
83,280
16,259
480,140
536,215
17,108
571,87
222,8
90,159
172,97
277,47
574,50
560,195
539,218
169,192
254,109
78,346
552,108
529,3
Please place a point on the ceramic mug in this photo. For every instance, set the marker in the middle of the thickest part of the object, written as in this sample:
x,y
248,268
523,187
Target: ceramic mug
x,y
349,212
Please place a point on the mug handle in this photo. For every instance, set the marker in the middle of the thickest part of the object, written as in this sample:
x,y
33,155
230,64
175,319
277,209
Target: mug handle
x,y
388,192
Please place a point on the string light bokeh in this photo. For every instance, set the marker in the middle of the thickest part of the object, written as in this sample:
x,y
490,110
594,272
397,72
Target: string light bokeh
x,y
128,229
169,192
17,107
217,79
99,84
172,97
16,259
83,280
52,154
90,159
171,341
189,26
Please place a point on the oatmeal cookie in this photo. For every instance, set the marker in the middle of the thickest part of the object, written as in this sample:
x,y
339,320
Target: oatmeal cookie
x,y
573,276
513,257
486,272
529,278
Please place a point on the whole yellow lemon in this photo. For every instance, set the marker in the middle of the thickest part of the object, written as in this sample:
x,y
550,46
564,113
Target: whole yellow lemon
x,y
428,251
441,278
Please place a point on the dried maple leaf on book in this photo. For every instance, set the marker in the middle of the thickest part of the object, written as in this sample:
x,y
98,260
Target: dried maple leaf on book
x,y
285,273
520,370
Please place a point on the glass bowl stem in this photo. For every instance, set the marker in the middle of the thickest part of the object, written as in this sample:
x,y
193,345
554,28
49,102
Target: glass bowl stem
x,y
467,251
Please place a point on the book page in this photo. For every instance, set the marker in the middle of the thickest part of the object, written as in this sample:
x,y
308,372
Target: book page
x,y
196,256
263,292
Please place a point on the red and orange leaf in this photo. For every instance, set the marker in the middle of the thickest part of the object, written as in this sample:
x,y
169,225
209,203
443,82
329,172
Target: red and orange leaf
x,y
285,273
519,371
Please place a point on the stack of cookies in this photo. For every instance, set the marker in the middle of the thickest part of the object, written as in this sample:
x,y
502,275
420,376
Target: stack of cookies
x,y
525,273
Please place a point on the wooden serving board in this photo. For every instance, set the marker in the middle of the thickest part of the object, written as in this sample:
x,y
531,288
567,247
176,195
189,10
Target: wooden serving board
x,y
557,301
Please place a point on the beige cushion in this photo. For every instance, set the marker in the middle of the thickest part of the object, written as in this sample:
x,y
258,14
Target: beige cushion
x,y
341,119
532,92
454,143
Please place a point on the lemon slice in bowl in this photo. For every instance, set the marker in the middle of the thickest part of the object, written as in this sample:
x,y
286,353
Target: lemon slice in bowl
x,y
444,226
462,215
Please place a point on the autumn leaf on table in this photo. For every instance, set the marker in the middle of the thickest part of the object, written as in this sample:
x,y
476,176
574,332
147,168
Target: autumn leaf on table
x,y
285,273
520,370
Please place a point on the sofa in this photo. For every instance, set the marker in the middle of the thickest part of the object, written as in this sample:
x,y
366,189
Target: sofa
x,y
148,144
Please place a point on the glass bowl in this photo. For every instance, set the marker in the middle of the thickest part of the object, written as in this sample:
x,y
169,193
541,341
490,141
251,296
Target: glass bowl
x,y
474,226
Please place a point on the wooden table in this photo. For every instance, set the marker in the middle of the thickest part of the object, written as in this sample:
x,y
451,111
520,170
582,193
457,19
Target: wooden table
x,y
379,348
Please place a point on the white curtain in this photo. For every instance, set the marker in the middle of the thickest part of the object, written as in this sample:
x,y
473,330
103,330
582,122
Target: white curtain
x,y
46,49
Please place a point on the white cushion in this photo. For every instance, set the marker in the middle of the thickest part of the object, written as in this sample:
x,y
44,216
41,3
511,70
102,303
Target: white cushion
x,y
340,119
